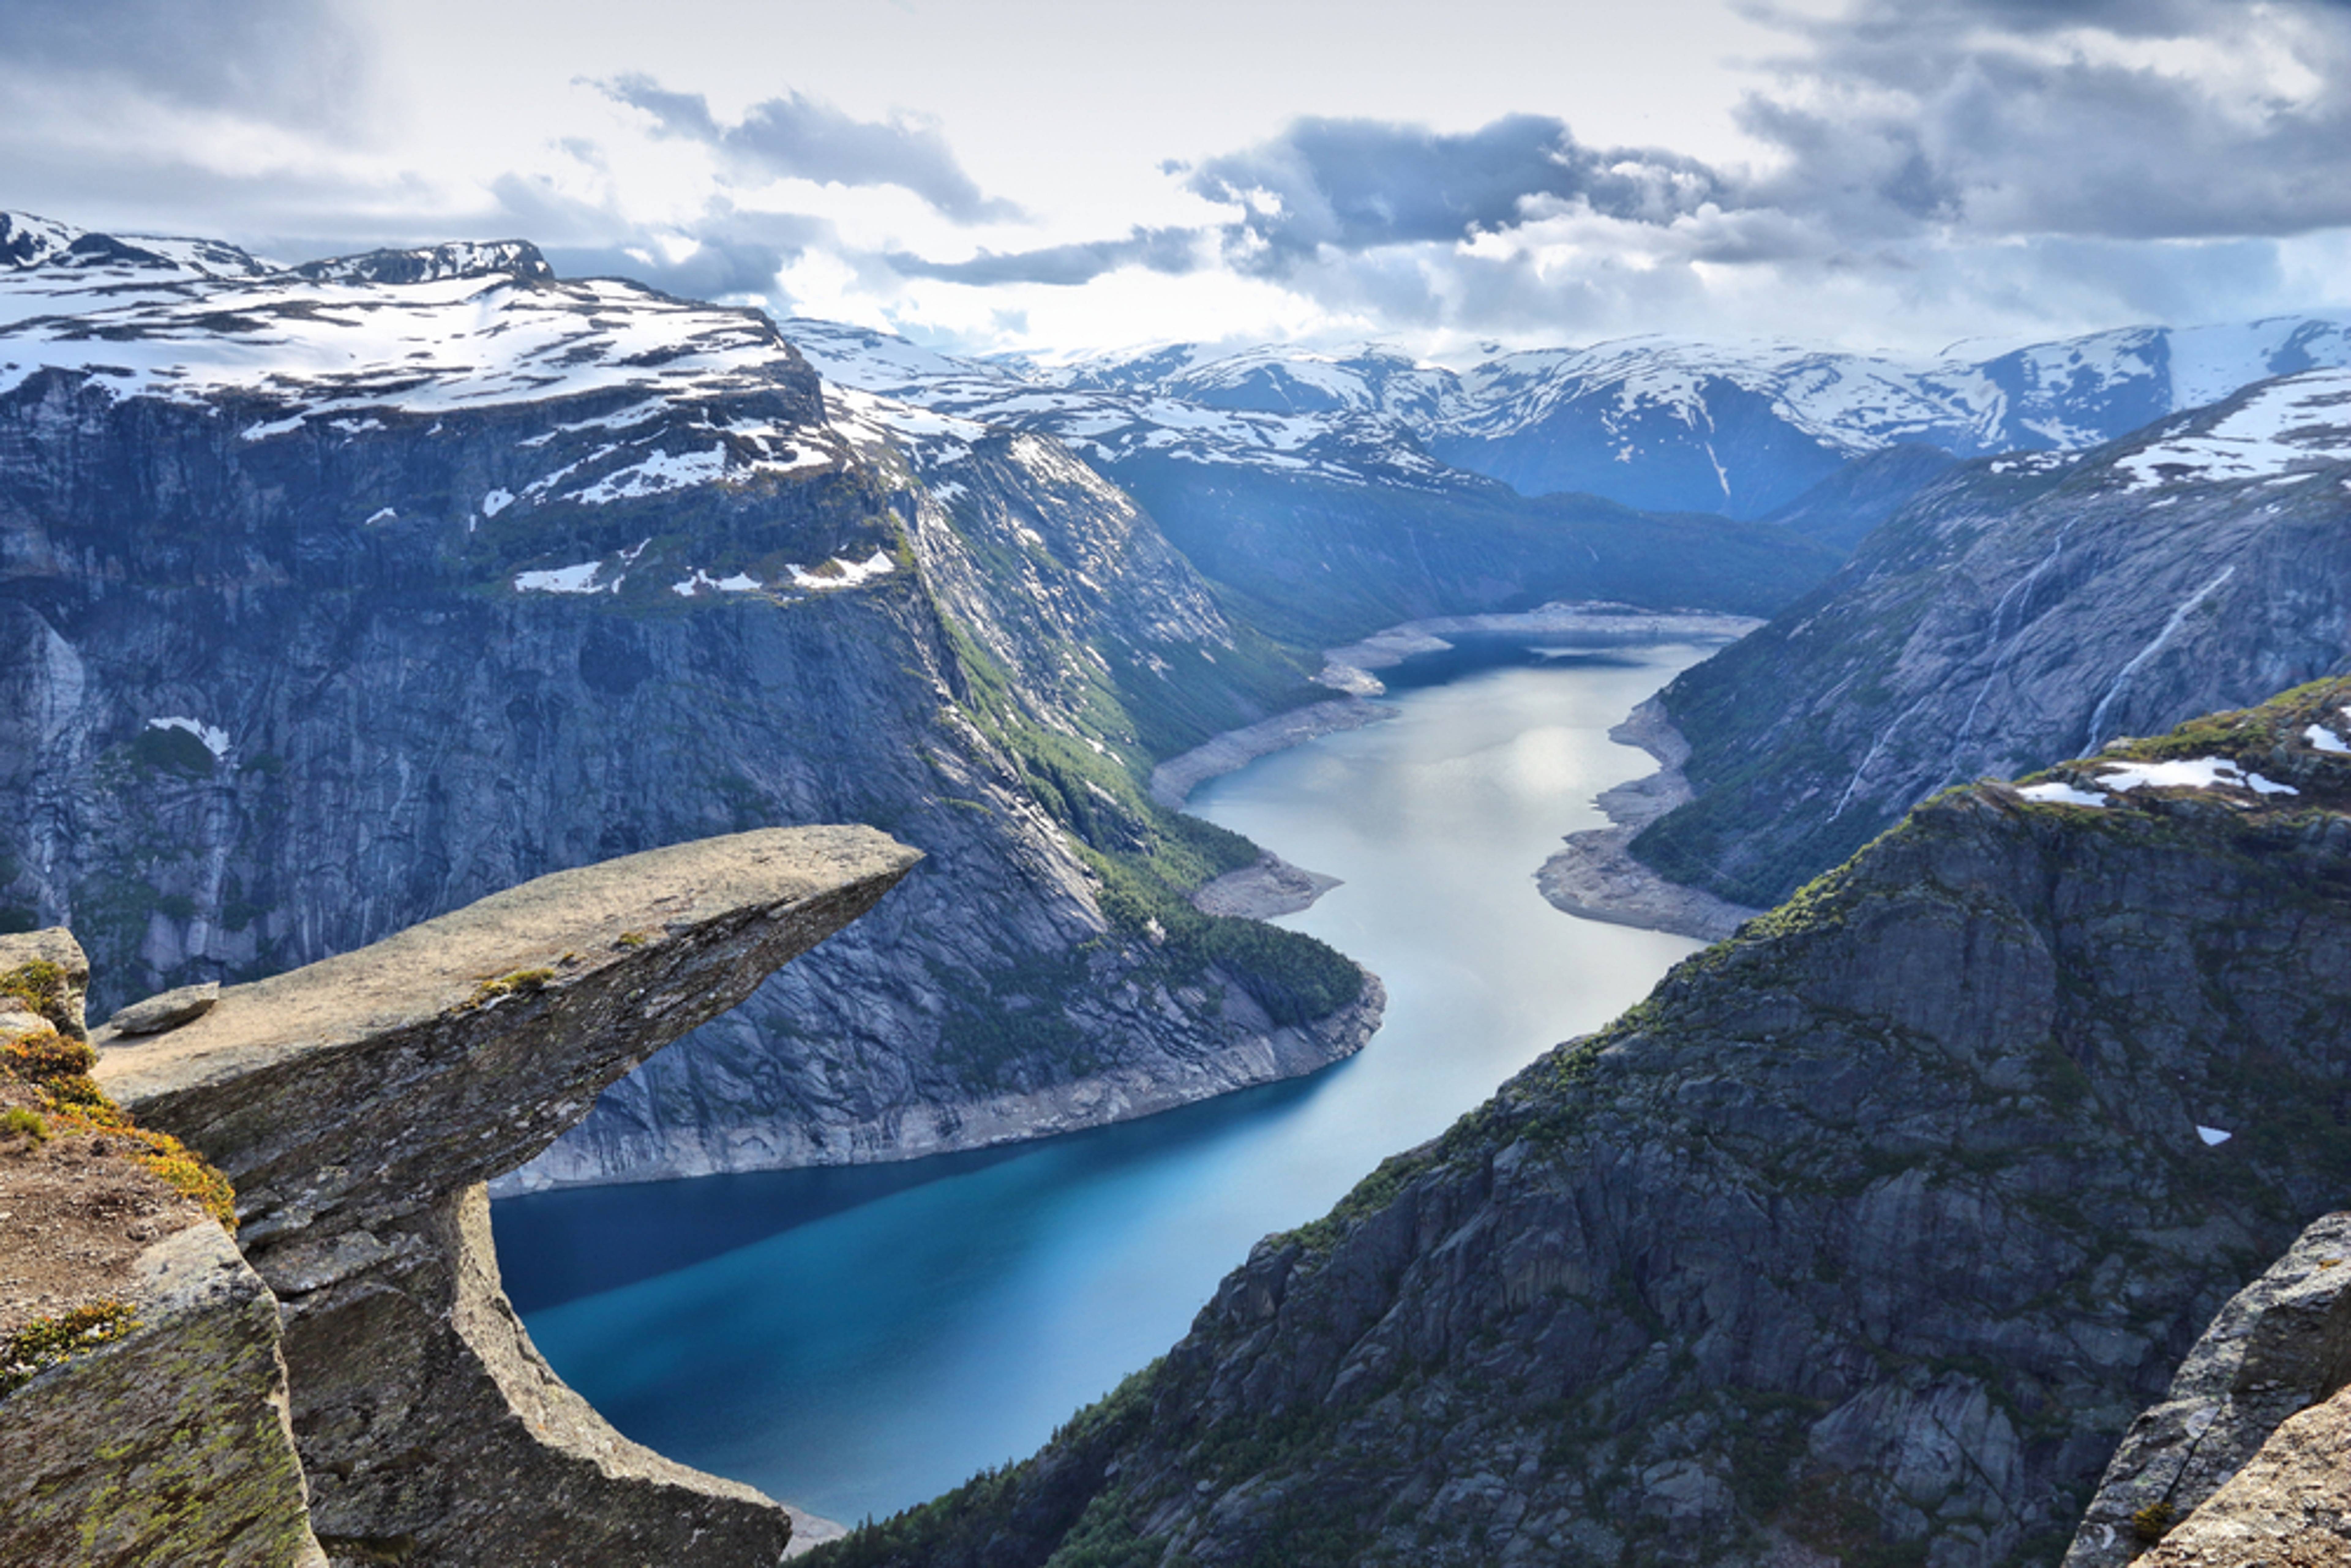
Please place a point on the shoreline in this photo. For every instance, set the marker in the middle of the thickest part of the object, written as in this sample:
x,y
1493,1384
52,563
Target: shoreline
x,y
1173,782
1595,875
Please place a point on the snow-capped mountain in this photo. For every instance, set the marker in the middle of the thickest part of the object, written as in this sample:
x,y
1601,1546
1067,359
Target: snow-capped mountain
x,y
2023,610
1654,423
1113,417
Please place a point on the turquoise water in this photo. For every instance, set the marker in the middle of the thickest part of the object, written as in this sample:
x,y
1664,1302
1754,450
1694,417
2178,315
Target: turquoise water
x,y
858,1340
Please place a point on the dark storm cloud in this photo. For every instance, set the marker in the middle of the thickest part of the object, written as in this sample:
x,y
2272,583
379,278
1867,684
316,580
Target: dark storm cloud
x,y
1353,185
2008,117
288,61
796,136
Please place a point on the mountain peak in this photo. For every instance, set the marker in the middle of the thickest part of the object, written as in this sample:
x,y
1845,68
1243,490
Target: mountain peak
x,y
27,241
517,259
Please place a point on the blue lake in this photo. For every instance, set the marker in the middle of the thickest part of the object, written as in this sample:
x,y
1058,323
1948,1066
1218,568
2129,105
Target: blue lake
x,y
856,1341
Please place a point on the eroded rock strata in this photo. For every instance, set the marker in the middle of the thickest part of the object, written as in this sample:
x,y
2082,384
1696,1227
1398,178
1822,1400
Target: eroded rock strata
x,y
1863,1239
359,1104
2280,1347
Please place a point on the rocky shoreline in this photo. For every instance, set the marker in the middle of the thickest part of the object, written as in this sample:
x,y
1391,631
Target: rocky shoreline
x,y
1270,887
1173,782
1262,1053
1595,876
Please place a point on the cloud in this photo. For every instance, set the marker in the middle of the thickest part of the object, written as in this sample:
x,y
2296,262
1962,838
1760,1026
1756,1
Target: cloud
x,y
798,137
1354,184
720,254
1170,250
288,62
1359,185
2112,118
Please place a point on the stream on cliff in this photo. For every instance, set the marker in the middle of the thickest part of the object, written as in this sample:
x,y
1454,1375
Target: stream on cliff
x,y
857,1340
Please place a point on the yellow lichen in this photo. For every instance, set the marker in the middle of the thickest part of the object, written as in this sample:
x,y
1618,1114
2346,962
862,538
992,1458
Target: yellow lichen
x,y
519,983
45,1342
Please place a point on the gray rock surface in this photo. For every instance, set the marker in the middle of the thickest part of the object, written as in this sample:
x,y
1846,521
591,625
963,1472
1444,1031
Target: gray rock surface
x,y
1864,1237
2281,1345
1272,886
361,1103
167,1012
170,1445
2017,611
2288,1508
283,672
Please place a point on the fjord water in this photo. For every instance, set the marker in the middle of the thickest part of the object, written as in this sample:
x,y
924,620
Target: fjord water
x,y
856,1341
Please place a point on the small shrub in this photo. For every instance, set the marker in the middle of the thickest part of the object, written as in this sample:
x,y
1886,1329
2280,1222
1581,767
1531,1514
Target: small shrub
x,y
18,1123
2154,1521
520,983
40,985
59,1069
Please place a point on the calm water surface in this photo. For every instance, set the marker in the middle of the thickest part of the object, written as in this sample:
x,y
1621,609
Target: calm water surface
x,y
858,1340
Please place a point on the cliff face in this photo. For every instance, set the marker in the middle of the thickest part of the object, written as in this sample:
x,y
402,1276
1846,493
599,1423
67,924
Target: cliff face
x,y
1863,1238
2020,611
330,601
358,1105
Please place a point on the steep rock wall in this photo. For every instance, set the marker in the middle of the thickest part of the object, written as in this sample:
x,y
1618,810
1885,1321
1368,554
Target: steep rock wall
x,y
1863,1237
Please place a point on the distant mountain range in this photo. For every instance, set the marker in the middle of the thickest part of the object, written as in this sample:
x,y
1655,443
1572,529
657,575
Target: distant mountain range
x,y
1652,423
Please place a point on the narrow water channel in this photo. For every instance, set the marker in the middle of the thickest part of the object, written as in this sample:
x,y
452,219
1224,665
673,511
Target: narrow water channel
x,y
856,1341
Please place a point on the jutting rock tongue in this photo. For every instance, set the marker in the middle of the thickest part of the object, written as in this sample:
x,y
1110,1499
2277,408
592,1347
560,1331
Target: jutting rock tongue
x,y
359,1105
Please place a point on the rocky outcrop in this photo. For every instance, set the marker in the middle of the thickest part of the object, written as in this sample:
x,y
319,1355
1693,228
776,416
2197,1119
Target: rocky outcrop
x,y
2282,1345
169,1444
361,1103
2287,1507
142,1399
2017,611
291,660
1863,1238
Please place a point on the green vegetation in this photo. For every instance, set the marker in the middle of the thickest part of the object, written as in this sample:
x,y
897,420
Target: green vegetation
x,y
516,983
40,985
1101,1536
172,750
57,1069
1148,861
2153,1522
51,1342
18,1123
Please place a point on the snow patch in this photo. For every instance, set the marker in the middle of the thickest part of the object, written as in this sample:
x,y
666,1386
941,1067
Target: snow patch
x,y
741,583
2322,738
2213,1136
2058,793
580,578
844,574
497,501
2187,773
656,476
2301,419
384,515
215,739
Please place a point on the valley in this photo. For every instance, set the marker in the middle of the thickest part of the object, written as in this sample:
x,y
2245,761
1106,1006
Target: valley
x,y
2006,684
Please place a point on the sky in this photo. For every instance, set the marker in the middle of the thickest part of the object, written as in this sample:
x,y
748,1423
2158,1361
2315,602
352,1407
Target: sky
x,y
1060,176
